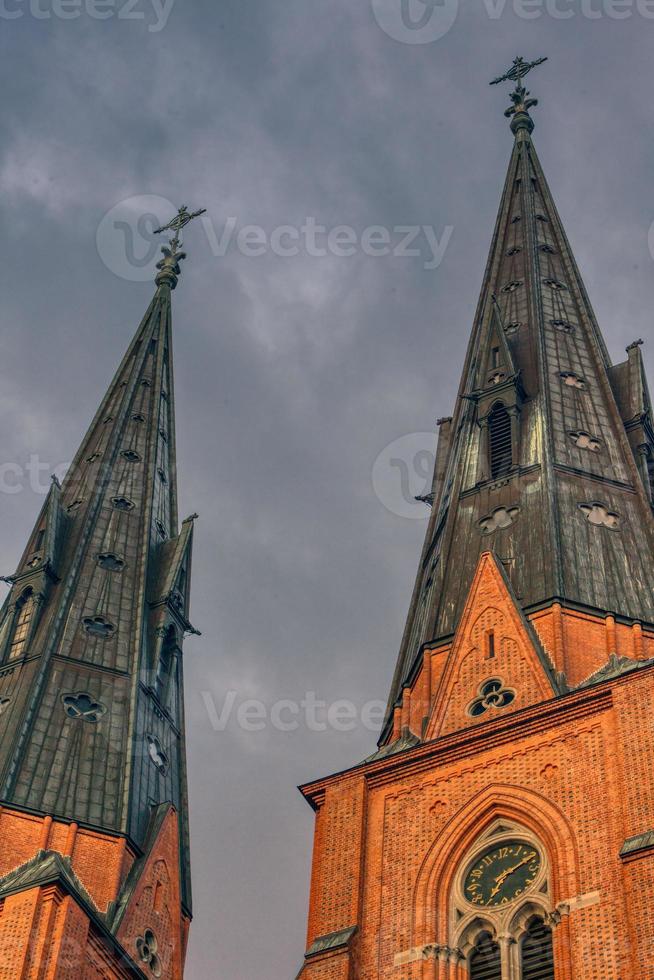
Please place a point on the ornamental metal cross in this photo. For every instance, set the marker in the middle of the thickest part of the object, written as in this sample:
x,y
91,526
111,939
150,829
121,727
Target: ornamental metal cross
x,y
516,73
518,70
181,220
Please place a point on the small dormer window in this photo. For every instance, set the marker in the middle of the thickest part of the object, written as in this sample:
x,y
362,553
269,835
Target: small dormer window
x,y
165,666
22,625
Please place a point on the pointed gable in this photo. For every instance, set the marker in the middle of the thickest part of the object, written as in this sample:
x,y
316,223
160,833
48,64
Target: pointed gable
x,y
150,901
496,664
496,364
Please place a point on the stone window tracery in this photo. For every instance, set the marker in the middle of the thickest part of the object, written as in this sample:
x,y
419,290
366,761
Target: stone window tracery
x,y
492,694
509,936
599,515
148,950
82,706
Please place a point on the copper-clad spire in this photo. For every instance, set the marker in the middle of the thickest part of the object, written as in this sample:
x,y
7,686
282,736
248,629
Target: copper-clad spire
x,y
547,461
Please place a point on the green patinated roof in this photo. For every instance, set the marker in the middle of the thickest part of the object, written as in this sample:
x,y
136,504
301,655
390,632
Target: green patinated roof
x,y
105,564
558,378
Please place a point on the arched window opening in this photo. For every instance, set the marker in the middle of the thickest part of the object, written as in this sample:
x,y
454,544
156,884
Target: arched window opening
x,y
165,666
537,953
500,442
22,624
485,959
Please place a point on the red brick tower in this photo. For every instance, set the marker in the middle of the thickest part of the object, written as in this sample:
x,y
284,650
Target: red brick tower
x,y
504,829
94,862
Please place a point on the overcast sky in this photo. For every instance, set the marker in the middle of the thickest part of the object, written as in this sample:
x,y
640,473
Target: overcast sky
x,y
293,372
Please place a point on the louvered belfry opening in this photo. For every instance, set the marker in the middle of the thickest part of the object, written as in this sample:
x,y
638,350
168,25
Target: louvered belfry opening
x,y
500,442
485,959
537,952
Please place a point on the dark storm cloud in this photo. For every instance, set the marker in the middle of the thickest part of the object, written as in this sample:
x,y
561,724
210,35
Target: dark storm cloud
x,y
292,374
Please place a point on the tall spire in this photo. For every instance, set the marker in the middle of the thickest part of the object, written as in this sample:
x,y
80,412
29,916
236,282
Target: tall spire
x,y
547,459
92,717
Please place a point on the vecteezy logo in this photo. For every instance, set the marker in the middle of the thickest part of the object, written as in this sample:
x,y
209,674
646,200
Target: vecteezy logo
x,y
415,21
402,475
125,238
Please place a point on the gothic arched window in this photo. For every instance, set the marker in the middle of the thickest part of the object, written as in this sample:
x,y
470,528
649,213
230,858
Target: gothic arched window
x,y
22,624
500,907
500,441
485,959
536,952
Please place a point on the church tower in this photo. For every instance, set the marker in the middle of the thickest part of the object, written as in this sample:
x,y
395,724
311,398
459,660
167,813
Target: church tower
x,y
94,847
504,829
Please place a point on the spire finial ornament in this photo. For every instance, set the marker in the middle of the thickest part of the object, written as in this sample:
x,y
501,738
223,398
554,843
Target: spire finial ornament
x,y
168,267
520,96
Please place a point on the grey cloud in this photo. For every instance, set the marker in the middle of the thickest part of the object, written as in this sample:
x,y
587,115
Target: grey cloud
x,y
292,374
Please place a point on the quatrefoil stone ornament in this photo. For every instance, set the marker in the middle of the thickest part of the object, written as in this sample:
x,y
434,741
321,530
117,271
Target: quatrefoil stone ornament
x,y
562,325
131,455
98,626
157,754
585,441
500,518
111,562
122,503
4,702
83,706
147,948
600,516
572,380
492,694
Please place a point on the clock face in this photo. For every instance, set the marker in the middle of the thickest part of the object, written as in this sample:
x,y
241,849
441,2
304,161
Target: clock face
x,y
502,874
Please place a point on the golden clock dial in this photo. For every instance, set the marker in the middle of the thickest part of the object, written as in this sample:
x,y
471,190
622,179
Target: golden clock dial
x,y
502,873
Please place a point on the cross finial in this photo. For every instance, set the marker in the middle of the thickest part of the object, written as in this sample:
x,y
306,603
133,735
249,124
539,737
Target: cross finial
x,y
519,97
181,220
169,266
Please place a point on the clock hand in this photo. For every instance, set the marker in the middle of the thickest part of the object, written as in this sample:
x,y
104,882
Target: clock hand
x,y
501,878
